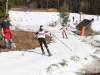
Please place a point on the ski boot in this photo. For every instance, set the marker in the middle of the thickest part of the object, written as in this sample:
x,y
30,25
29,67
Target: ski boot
x,y
43,53
63,36
49,54
66,37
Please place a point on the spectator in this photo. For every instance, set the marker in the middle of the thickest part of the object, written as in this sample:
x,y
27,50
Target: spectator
x,y
73,18
6,33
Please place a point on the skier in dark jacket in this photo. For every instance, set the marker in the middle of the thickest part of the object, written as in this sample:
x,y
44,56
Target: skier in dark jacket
x,y
41,39
73,18
6,33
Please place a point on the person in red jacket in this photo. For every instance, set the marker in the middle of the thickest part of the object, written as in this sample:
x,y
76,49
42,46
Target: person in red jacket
x,y
41,39
6,33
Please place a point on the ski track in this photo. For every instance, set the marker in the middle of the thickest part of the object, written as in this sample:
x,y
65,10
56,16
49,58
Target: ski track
x,y
34,63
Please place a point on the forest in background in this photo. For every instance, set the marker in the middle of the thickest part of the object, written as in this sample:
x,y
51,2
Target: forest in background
x,y
74,6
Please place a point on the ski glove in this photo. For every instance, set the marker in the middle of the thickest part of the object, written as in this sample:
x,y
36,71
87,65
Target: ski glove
x,y
34,37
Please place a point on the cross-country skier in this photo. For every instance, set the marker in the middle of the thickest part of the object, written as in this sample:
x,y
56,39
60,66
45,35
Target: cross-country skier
x,y
41,39
64,31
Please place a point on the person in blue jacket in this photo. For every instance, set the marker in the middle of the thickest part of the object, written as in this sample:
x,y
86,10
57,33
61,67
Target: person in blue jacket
x,y
6,32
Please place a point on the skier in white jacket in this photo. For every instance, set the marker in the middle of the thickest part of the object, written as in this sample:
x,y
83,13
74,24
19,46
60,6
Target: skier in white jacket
x,y
41,38
64,31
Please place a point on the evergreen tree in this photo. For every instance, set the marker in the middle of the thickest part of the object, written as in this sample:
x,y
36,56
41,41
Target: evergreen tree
x,y
64,14
2,8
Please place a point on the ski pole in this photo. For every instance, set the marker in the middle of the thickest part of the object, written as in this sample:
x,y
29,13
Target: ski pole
x,y
62,42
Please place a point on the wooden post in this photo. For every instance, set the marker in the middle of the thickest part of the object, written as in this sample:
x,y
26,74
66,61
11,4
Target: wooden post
x,y
6,7
80,16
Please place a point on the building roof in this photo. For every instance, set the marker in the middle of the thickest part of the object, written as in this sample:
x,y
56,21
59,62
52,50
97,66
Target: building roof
x,y
85,23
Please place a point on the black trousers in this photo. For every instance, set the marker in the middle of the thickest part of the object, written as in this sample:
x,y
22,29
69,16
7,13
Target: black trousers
x,y
42,40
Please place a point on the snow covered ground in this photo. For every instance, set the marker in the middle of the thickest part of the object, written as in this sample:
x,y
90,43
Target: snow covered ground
x,y
78,57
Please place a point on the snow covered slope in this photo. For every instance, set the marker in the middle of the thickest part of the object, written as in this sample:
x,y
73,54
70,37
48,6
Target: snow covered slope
x,y
63,61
